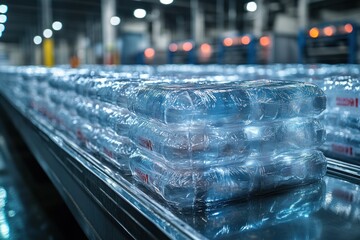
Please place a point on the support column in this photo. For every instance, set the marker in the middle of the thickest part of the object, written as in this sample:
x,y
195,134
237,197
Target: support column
x,y
156,27
219,16
108,9
260,17
232,14
303,13
197,22
48,43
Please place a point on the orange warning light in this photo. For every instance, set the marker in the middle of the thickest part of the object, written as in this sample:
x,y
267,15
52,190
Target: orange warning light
x,y
348,28
149,53
314,32
187,46
245,40
265,41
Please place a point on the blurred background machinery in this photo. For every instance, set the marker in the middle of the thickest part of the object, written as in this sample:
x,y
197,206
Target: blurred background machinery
x,y
52,32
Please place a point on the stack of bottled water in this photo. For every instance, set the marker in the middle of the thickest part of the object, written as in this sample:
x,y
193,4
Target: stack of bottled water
x,y
202,143
192,134
342,118
342,121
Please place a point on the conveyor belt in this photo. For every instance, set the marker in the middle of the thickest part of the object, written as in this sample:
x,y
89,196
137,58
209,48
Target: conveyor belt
x,y
111,206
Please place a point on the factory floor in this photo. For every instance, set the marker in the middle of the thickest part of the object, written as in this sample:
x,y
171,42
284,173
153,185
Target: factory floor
x,y
30,206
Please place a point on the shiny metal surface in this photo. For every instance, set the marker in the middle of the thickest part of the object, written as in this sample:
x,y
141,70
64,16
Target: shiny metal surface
x,y
109,204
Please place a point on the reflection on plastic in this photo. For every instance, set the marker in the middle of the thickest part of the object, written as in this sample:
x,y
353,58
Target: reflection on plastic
x,y
254,217
342,198
4,225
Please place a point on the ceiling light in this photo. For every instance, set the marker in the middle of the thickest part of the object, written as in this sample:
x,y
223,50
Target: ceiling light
x,y
3,18
37,40
139,13
2,27
57,25
47,33
3,8
251,6
166,2
115,20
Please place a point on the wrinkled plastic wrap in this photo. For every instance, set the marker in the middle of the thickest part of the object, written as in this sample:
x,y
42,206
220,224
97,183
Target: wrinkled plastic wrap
x,y
294,205
225,103
201,145
251,175
192,134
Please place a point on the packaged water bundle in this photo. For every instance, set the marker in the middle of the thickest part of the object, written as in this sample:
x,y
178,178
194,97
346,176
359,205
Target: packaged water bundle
x,y
253,218
342,143
223,103
114,148
202,143
342,118
249,176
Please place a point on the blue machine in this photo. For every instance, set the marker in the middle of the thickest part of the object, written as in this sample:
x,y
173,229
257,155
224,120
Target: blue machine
x,y
237,50
182,52
333,42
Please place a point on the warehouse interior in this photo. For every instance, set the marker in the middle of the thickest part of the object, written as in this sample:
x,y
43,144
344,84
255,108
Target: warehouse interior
x,y
84,30
179,119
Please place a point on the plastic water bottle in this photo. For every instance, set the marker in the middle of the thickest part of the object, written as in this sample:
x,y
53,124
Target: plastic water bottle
x,y
259,213
191,146
343,198
342,143
254,175
116,118
202,145
216,104
341,119
115,149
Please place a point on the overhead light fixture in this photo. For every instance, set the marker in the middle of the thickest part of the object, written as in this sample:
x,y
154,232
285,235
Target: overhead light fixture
x,y
251,6
2,27
3,18
166,2
139,13
37,40
57,25
47,33
115,20
3,8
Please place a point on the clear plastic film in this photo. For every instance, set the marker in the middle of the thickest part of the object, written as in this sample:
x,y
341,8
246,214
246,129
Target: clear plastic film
x,y
223,103
253,175
201,145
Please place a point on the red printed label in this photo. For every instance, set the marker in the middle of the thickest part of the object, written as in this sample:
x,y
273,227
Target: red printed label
x,y
142,176
347,102
146,143
81,136
346,150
